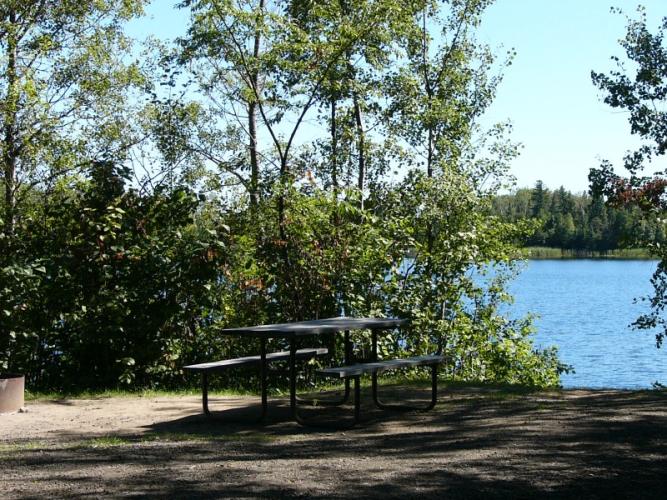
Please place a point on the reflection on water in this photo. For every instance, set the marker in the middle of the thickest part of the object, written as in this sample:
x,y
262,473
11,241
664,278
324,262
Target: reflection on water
x,y
585,308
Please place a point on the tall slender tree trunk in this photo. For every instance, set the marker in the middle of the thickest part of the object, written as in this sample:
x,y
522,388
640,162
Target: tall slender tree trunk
x,y
358,118
252,120
430,159
429,154
281,198
429,93
429,173
334,148
292,290
10,135
254,163
361,146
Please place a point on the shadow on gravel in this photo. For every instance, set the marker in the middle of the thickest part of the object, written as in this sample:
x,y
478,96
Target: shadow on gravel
x,y
475,444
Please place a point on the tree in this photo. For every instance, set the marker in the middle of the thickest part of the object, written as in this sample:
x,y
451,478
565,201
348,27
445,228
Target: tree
x,y
119,282
538,200
65,82
644,96
117,285
273,64
62,90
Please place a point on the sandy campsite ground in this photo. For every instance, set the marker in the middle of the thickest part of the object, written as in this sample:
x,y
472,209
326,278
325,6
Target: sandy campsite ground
x,y
477,443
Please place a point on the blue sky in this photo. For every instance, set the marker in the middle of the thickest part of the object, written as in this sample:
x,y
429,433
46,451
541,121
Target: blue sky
x,y
547,93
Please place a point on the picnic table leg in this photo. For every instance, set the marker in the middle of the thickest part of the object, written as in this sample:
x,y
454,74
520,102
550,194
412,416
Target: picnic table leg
x,y
292,382
348,360
294,399
357,398
263,388
292,379
384,406
346,395
204,393
262,376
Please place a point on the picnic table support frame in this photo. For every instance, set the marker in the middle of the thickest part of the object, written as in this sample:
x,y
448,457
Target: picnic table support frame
x,y
397,407
294,400
263,389
346,395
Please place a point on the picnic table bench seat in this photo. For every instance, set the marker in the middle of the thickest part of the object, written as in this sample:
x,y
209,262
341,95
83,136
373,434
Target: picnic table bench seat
x,y
247,360
380,366
374,367
205,368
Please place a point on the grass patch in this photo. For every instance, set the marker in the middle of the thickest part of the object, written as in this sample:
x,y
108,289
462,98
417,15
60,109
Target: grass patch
x,y
23,446
129,393
107,442
561,253
103,442
419,379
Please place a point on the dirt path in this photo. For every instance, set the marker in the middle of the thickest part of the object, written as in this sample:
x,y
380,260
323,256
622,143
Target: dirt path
x,y
478,443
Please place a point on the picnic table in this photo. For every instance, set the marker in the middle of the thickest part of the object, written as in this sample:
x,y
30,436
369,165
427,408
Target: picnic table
x,y
293,332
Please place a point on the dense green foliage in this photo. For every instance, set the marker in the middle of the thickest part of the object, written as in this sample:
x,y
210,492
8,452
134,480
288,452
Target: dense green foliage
x,y
643,95
114,283
577,222
231,211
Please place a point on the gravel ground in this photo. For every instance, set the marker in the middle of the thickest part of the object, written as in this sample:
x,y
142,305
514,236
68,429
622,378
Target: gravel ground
x,y
477,443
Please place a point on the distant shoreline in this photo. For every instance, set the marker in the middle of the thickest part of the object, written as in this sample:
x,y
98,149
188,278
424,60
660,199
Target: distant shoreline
x,y
544,253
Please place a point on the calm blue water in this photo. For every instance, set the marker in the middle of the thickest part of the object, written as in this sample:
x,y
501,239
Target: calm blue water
x,y
585,308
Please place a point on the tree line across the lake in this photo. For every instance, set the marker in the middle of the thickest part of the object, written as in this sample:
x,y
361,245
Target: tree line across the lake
x,y
578,222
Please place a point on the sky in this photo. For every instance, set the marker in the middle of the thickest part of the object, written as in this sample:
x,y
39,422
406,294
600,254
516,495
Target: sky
x,y
557,114
547,93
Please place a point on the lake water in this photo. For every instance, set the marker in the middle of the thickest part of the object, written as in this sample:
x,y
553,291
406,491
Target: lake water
x,y
585,308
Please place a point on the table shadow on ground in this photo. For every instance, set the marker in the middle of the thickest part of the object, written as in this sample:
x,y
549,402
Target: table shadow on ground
x,y
473,445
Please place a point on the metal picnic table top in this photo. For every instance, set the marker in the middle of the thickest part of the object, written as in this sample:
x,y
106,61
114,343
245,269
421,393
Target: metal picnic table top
x,y
316,327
